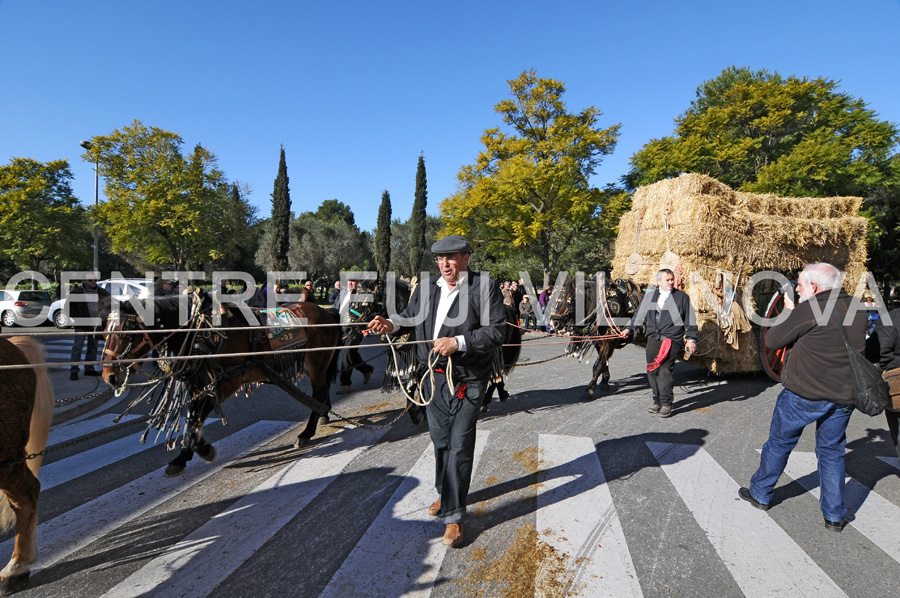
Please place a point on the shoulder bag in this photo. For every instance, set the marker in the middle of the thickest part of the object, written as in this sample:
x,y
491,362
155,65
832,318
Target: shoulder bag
x,y
871,394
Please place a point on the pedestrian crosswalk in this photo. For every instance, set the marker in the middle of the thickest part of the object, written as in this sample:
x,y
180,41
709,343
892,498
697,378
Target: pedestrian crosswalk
x,y
400,551
59,349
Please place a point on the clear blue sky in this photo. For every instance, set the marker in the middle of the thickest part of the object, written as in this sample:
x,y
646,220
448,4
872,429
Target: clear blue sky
x,y
356,90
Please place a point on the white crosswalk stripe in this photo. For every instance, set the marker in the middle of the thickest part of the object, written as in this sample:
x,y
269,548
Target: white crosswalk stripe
x,y
745,539
878,519
576,516
194,565
401,535
399,550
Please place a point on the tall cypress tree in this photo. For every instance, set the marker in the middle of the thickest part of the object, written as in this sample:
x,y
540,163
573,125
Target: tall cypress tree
x,y
281,217
417,220
383,235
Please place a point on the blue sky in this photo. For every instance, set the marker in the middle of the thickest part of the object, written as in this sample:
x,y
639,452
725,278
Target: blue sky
x,y
355,90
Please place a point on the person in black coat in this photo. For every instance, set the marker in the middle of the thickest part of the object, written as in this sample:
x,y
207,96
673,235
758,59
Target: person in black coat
x,y
449,310
84,304
351,337
883,348
671,328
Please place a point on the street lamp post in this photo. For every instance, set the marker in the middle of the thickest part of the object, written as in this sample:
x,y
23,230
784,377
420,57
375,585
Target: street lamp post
x,y
87,145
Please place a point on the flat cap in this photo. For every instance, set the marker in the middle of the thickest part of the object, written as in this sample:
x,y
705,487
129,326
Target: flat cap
x,y
452,244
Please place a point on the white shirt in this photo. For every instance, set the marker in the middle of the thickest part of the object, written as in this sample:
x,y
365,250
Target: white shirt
x,y
448,295
663,296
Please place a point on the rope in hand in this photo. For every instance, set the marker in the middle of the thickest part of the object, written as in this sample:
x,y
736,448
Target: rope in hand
x,y
421,381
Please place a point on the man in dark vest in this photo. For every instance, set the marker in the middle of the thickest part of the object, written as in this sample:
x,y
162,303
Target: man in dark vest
x,y
85,304
463,315
671,328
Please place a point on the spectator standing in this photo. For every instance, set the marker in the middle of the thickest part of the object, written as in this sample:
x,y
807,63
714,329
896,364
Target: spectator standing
x,y
335,293
352,336
817,389
883,347
84,302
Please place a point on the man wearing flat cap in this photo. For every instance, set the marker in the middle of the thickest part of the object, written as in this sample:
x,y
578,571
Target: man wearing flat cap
x,y
464,317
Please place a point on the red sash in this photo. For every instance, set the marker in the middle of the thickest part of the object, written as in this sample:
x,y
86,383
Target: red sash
x,y
661,356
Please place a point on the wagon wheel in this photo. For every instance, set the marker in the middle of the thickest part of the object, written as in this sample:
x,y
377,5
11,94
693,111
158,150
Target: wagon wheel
x,y
772,359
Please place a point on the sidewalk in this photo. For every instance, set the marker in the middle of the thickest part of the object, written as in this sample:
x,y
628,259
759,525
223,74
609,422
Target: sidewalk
x,y
93,388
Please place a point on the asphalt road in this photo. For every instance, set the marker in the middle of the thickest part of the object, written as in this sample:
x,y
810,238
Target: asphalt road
x,y
569,498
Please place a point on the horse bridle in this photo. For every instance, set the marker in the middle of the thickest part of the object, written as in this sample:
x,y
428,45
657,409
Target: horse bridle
x,y
125,319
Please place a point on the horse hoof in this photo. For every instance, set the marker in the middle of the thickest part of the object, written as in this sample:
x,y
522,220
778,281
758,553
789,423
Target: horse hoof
x,y
484,408
503,395
301,442
207,452
14,583
323,419
173,470
589,394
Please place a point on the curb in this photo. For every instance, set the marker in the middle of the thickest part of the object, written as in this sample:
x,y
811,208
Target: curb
x,y
64,388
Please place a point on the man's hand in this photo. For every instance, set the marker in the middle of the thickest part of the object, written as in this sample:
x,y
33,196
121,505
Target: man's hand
x,y
446,345
625,334
690,347
788,302
380,325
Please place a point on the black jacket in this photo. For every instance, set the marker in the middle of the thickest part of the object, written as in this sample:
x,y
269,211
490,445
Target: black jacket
x,y
883,347
473,364
676,320
817,366
78,307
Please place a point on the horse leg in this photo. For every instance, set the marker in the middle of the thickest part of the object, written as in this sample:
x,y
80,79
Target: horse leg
x,y
195,441
416,412
321,394
22,493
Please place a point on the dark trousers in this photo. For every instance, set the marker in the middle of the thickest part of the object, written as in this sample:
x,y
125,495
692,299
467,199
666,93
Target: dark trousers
x,y
451,422
89,355
892,417
661,379
352,361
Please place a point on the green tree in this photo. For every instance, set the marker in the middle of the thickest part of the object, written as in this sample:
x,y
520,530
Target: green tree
x,y
763,133
528,194
383,235
400,247
169,210
41,220
281,217
417,247
322,248
332,209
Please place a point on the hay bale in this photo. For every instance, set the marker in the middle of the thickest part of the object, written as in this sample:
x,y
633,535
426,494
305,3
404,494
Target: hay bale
x,y
713,228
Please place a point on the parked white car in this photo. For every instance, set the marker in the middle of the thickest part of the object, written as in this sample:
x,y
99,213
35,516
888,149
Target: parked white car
x,y
20,306
119,289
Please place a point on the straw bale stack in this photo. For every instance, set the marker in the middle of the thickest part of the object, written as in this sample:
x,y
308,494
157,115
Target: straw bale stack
x,y
709,231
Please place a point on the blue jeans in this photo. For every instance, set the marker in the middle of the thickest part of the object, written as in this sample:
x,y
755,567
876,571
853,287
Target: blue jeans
x,y
90,353
792,414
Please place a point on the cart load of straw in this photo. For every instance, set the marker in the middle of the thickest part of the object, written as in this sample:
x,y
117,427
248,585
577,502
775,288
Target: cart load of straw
x,y
715,239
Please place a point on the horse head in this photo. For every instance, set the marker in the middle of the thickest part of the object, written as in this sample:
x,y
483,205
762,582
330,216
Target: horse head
x,y
132,334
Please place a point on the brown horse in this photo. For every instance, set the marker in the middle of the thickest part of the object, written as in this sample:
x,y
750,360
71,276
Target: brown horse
x,y
213,371
26,408
622,299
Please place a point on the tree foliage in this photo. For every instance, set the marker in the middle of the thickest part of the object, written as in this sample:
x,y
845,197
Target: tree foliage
x,y
401,235
528,194
322,248
281,217
764,133
171,210
332,209
383,235
41,220
417,247
760,132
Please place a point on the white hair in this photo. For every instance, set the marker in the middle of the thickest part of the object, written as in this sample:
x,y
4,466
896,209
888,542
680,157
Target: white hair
x,y
825,276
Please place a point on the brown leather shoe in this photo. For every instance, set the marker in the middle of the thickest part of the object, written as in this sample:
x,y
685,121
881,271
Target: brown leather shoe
x,y
435,509
453,535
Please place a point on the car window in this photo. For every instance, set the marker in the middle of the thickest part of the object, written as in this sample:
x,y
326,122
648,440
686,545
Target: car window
x,y
34,296
4,296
